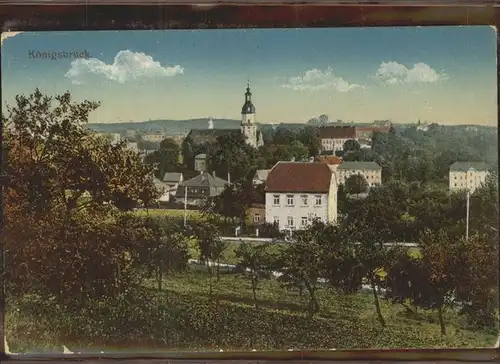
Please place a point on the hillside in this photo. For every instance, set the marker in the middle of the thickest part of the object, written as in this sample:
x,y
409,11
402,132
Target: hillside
x,y
170,127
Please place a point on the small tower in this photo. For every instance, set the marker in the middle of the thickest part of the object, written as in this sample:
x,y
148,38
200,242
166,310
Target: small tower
x,y
210,123
248,127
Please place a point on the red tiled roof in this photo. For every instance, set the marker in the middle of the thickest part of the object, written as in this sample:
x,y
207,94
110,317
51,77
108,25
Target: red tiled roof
x,y
330,159
337,132
311,177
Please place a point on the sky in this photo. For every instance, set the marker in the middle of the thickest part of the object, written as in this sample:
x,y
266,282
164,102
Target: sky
x,y
436,74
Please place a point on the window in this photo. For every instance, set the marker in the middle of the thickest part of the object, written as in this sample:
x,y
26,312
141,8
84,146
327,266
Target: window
x,y
290,220
303,221
276,200
276,220
455,185
256,217
289,200
304,200
317,200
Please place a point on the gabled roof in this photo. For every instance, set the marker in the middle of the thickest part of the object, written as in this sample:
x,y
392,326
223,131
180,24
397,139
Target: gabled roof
x,y
465,166
262,174
331,160
172,177
204,180
306,177
366,166
200,156
337,132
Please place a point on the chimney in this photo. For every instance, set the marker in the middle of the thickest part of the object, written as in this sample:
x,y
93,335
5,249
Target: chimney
x,y
213,173
228,178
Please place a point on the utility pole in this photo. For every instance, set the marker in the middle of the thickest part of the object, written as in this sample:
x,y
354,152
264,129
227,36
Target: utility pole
x,y
467,216
185,205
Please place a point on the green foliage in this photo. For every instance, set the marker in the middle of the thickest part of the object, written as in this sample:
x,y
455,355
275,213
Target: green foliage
x,y
356,184
166,157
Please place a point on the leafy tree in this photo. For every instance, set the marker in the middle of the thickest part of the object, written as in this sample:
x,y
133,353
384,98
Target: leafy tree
x,y
68,186
255,262
210,245
304,261
166,157
356,184
351,145
436,285
231,154
309,137
283,136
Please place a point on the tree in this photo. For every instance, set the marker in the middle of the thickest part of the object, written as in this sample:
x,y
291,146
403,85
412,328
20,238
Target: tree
x,y
68,186
356,184
231,154
309,137
255,262
436,285
166,157
303,260
351,145
210,245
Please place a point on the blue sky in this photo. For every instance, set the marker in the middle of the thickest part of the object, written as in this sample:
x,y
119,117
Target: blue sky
x,y
439,74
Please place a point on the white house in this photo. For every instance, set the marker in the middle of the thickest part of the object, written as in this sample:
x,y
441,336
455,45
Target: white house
x,y
163,188
260,176
154,137
299,192
371,171
200,162
173,179
333,137
467,175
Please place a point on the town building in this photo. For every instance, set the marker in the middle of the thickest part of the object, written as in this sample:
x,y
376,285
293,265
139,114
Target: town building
x,y
260,176
172,180
299,192
200,162
331,160
164,190
199,189
256,213
371,171
365,132
248,127
153,137
467,175
333,137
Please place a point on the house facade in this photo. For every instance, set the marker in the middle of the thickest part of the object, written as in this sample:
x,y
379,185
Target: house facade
x,y
333,137
199,189
371,171
200,162
467,175
154,137
299,192
172,180
260,176
332,161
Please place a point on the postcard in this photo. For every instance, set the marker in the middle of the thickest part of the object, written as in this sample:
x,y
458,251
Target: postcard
x,y
250,190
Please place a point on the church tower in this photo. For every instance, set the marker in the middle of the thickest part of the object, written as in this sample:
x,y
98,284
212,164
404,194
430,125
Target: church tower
x,y
248,127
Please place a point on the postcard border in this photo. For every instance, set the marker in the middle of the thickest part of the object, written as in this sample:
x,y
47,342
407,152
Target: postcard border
x,y
159,16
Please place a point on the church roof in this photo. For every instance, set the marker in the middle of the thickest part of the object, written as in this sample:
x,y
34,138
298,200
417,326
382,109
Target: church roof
x,y
248,106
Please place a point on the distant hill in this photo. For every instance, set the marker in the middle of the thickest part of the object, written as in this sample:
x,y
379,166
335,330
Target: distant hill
x,y
169,127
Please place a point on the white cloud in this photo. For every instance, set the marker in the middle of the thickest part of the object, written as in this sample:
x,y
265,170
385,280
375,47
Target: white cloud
x,y
6,35
392,73
316,79
126,66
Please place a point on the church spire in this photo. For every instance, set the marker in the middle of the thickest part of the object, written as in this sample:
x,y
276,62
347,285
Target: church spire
x,y
248,107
